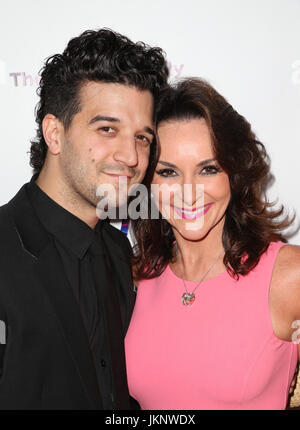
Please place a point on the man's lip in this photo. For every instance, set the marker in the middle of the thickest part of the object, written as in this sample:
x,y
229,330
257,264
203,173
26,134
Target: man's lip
x,y
118,175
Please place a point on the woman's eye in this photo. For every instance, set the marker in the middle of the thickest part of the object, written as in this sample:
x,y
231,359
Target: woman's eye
x,y
166,172
143,139
210,170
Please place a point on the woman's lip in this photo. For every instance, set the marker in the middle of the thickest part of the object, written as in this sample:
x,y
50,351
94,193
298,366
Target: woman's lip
x,y
192,210
193,214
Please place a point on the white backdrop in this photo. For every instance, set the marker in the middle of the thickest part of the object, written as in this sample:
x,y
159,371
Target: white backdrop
x,y
248,49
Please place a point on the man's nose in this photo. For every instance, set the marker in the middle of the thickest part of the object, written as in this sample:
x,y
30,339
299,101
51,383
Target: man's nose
x,y
126,152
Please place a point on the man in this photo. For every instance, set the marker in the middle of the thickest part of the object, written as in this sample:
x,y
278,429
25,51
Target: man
x,y
66,291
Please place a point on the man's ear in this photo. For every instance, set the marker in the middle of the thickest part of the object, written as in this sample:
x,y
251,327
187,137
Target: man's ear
x,y
52,132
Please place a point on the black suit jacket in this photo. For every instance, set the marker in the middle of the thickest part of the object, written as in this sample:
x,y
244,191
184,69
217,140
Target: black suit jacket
x,y
47,362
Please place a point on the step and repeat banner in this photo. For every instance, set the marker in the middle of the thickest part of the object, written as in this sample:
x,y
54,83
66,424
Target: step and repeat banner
x,y
248,49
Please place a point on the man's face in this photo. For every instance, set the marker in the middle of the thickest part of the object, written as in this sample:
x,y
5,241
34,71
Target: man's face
x,y
110,137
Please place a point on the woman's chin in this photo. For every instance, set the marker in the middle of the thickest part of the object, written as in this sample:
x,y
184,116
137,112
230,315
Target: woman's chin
x,y
191,230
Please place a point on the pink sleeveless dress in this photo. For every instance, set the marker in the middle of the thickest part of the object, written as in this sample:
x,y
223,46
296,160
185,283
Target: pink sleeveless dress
x,y
218,353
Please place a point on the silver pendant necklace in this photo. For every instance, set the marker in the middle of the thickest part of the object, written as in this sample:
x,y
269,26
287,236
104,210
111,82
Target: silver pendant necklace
x,y
189,298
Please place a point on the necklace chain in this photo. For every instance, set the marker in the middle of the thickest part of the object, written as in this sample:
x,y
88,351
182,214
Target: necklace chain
x,y
202,279
189,298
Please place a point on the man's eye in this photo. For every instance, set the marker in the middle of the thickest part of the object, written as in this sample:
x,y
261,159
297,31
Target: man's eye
x,y
143,139
210,170
107,129
166,172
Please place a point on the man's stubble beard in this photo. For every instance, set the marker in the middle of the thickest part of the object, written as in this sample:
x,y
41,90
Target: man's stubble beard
x,y
78,190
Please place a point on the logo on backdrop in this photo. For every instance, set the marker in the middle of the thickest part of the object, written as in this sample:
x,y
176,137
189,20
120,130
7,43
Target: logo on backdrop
x,y
175,70
3,72
25,79
17,79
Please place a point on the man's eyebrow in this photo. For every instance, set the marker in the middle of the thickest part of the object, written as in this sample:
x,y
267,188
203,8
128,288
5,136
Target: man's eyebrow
x,y
99,118
103,118
202,163
149,130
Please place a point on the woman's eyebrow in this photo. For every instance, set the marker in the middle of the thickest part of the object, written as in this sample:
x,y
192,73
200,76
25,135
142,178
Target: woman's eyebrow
x,y
202,163
165,163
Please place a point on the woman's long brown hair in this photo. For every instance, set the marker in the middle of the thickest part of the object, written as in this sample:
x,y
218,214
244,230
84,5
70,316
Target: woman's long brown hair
x,y
251,222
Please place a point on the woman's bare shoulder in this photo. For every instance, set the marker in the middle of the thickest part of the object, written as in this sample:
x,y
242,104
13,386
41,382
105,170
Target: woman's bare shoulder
x,y
288,261
286,277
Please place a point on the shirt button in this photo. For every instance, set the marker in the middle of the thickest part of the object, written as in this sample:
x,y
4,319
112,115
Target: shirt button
x,y
103,363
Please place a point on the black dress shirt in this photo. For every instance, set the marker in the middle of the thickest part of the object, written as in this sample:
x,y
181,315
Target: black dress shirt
x,y
74,241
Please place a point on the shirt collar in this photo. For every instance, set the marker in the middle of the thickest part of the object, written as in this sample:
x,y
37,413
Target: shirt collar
x,y
74,234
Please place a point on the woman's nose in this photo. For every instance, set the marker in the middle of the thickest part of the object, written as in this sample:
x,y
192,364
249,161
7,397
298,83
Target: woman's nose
x,y
193,194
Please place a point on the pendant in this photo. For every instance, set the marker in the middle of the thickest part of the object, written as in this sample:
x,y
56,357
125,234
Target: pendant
x,y
188,299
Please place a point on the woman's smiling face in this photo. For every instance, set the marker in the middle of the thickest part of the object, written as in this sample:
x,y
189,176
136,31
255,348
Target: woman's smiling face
x,y
187,164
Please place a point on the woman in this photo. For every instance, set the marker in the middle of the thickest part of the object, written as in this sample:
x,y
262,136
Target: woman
x,y
218,301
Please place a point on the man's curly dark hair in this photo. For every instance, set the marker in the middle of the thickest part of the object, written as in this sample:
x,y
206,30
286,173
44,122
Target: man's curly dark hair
x,y
96,55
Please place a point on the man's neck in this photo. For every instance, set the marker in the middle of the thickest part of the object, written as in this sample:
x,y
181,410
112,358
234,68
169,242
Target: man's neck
x,y
73,204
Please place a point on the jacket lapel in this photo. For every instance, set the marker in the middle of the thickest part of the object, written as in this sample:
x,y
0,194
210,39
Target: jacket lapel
x,y
116,296
121,265
40,246
60,295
